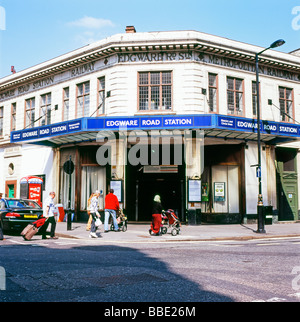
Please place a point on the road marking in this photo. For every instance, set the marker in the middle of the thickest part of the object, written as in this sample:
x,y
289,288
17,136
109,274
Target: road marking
x,y
269,244
17,242
65,243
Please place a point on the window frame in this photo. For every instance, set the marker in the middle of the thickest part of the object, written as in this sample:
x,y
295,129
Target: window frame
x,y
286,100
83,96
235,92
216,89
45,117
66,99
1,121
101,90
31,110
254,96
150,86
13,122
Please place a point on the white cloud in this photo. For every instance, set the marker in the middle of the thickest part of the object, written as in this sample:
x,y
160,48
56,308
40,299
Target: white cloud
x,y
91,23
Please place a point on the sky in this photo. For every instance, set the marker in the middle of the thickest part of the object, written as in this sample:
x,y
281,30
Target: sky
x,y
34,31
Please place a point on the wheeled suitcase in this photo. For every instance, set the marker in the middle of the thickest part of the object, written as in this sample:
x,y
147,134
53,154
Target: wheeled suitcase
x,y
32,229
29,232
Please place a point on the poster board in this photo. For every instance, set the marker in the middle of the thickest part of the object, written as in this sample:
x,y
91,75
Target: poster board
x,y
194,191
205,192
219,191
117,185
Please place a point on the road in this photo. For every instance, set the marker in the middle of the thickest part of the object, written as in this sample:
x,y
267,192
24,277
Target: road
x,y
67,270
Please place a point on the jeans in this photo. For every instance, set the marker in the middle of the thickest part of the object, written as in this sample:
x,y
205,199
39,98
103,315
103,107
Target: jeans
x,y
108,213
93,226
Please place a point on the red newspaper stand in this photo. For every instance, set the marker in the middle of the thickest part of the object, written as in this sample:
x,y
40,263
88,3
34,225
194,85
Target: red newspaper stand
x,y
32,188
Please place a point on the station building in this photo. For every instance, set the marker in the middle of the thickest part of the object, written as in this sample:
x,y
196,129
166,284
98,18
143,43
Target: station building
x,y
173,113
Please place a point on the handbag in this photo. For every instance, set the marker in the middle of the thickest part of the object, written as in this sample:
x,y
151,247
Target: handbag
x,y
98,222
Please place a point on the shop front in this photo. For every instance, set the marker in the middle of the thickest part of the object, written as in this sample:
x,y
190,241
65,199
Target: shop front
x,y
202,163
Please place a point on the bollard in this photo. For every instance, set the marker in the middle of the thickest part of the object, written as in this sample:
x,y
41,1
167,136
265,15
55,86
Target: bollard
x,y
69,220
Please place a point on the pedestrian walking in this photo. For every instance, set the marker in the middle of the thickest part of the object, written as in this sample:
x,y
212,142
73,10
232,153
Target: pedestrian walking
x,y
89,223
111,207
2,206
156,215
49,214
94,214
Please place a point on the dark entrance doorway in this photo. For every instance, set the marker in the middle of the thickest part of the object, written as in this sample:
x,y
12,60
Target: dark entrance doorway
x,y
287,184
144,181
169,187
142,187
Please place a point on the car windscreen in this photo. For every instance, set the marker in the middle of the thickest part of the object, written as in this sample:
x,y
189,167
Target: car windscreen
x,y
18,204
31,204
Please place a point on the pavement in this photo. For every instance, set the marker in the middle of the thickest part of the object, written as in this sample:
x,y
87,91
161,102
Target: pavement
x,y
139,233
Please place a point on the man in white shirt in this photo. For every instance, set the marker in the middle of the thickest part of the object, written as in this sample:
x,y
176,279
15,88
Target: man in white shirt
x,y
49,213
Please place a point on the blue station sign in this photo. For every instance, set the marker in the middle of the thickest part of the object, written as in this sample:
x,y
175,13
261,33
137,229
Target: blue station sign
x,y
213,121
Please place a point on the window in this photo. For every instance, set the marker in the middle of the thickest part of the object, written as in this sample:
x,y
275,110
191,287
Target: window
x,y
66,94
288,158
92,178
213,92
235,96
30,112
46,109
254,98
155,91
83,100
286,104
101,95
13,116
1,120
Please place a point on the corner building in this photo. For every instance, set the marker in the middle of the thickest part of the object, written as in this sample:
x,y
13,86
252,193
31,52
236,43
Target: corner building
x,y
180,104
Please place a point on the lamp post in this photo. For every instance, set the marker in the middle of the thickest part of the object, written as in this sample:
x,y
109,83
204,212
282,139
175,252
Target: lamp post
x,y
260,204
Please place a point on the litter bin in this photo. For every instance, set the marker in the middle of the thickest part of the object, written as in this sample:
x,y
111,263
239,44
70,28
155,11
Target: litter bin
x,y
194,217
268,214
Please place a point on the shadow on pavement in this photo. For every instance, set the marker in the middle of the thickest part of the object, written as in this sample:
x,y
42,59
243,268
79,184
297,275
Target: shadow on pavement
x,y
37,273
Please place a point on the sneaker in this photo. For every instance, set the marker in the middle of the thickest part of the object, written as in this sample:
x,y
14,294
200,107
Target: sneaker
x,y
93,235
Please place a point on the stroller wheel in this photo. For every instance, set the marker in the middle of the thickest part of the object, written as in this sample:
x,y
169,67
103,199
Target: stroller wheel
x,y
174,232
164,230
124,228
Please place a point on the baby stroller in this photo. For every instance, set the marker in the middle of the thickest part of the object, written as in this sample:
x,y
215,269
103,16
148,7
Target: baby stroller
x,y
173,222
154,231
122,221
